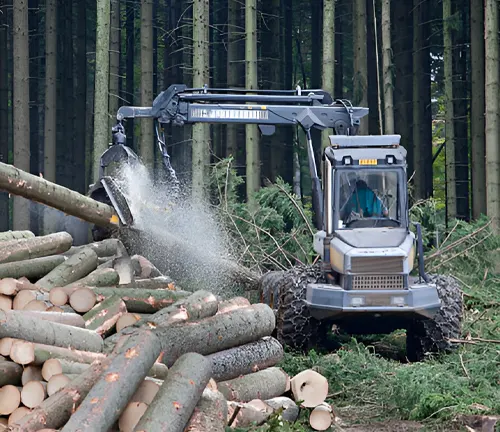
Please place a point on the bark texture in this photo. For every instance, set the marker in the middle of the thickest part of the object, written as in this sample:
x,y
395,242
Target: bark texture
x,y
210,415
20,182
112,391
15,235
10,373
102,318
33,269
387,67
245,359
103,248
74,268
216,333
360,96
178,396
265,384
71,319
36,247
141,300
44,352
15,324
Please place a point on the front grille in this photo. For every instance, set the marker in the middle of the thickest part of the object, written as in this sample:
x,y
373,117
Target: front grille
x,y
389,264
390,282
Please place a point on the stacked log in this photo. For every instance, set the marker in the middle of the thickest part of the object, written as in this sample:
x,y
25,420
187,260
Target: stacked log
x,y
94,339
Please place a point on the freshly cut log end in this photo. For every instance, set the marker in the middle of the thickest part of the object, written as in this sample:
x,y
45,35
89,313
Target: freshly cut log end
x,y
210,415
82,300
55,309
17,415
56,383
131,415
126,320
31,373
22,352
265,384
22,298
5,302
178,396
33,394
36,306
8,286
147,268
50,368
58,296
310,387
10,399
321,417
6,345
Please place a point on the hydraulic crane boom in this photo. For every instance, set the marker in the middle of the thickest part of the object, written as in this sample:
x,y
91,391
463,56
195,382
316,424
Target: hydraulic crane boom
x,y
179,105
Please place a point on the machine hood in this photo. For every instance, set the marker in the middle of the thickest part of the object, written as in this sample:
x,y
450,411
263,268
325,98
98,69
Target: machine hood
x,y
373,237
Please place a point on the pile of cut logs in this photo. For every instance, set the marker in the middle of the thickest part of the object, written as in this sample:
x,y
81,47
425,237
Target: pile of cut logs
x,y
95,339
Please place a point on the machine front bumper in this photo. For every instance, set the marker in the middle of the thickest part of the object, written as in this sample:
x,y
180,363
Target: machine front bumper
x,y
331,301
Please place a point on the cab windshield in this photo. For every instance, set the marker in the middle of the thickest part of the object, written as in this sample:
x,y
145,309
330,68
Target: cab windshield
x,y
369,198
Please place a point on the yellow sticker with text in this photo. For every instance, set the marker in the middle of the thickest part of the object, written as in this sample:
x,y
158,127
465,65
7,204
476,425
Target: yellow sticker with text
x,y
368,161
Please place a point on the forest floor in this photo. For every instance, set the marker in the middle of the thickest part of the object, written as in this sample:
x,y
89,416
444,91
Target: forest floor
x,y
372,388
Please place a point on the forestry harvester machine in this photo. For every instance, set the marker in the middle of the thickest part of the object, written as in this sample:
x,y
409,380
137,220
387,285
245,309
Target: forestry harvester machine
x,y
364,281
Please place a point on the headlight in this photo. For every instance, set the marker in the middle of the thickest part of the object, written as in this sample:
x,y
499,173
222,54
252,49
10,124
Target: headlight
x,y
411,258
336,260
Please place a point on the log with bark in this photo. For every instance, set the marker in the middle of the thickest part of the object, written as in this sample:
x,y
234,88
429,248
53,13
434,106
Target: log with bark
x,y
32,269
71,319
75,267
10,373
178,396
216,333
265,384
210,414
100,277
15,235
15,324
112,391
35,247
103,248
141,300
245,359
103,317
21,183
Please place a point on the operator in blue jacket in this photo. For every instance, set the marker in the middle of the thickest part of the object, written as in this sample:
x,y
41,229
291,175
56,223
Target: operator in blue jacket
x,y
364,202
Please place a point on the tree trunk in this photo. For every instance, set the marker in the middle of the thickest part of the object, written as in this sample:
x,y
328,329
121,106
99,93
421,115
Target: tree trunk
x,y
147,144
201,75
103,248
18,250
328,65
50,90
46,352
201,336
102,318
20,103
251,82
245,359
114,62
451,196
264,384
199,305
71,319
57,409
32,269
210,414
74,268
101,131
4,112
112,391
178,396
360,60
477,125
387,66
100,277
19,326
129,97
141,300
492,85
10,373
14,235
19,182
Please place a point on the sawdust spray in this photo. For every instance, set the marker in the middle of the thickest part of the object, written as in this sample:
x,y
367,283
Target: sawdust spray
x,y
185,241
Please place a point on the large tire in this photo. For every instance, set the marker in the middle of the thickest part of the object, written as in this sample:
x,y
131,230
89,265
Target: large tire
x,y
268,288
296,328
432,335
